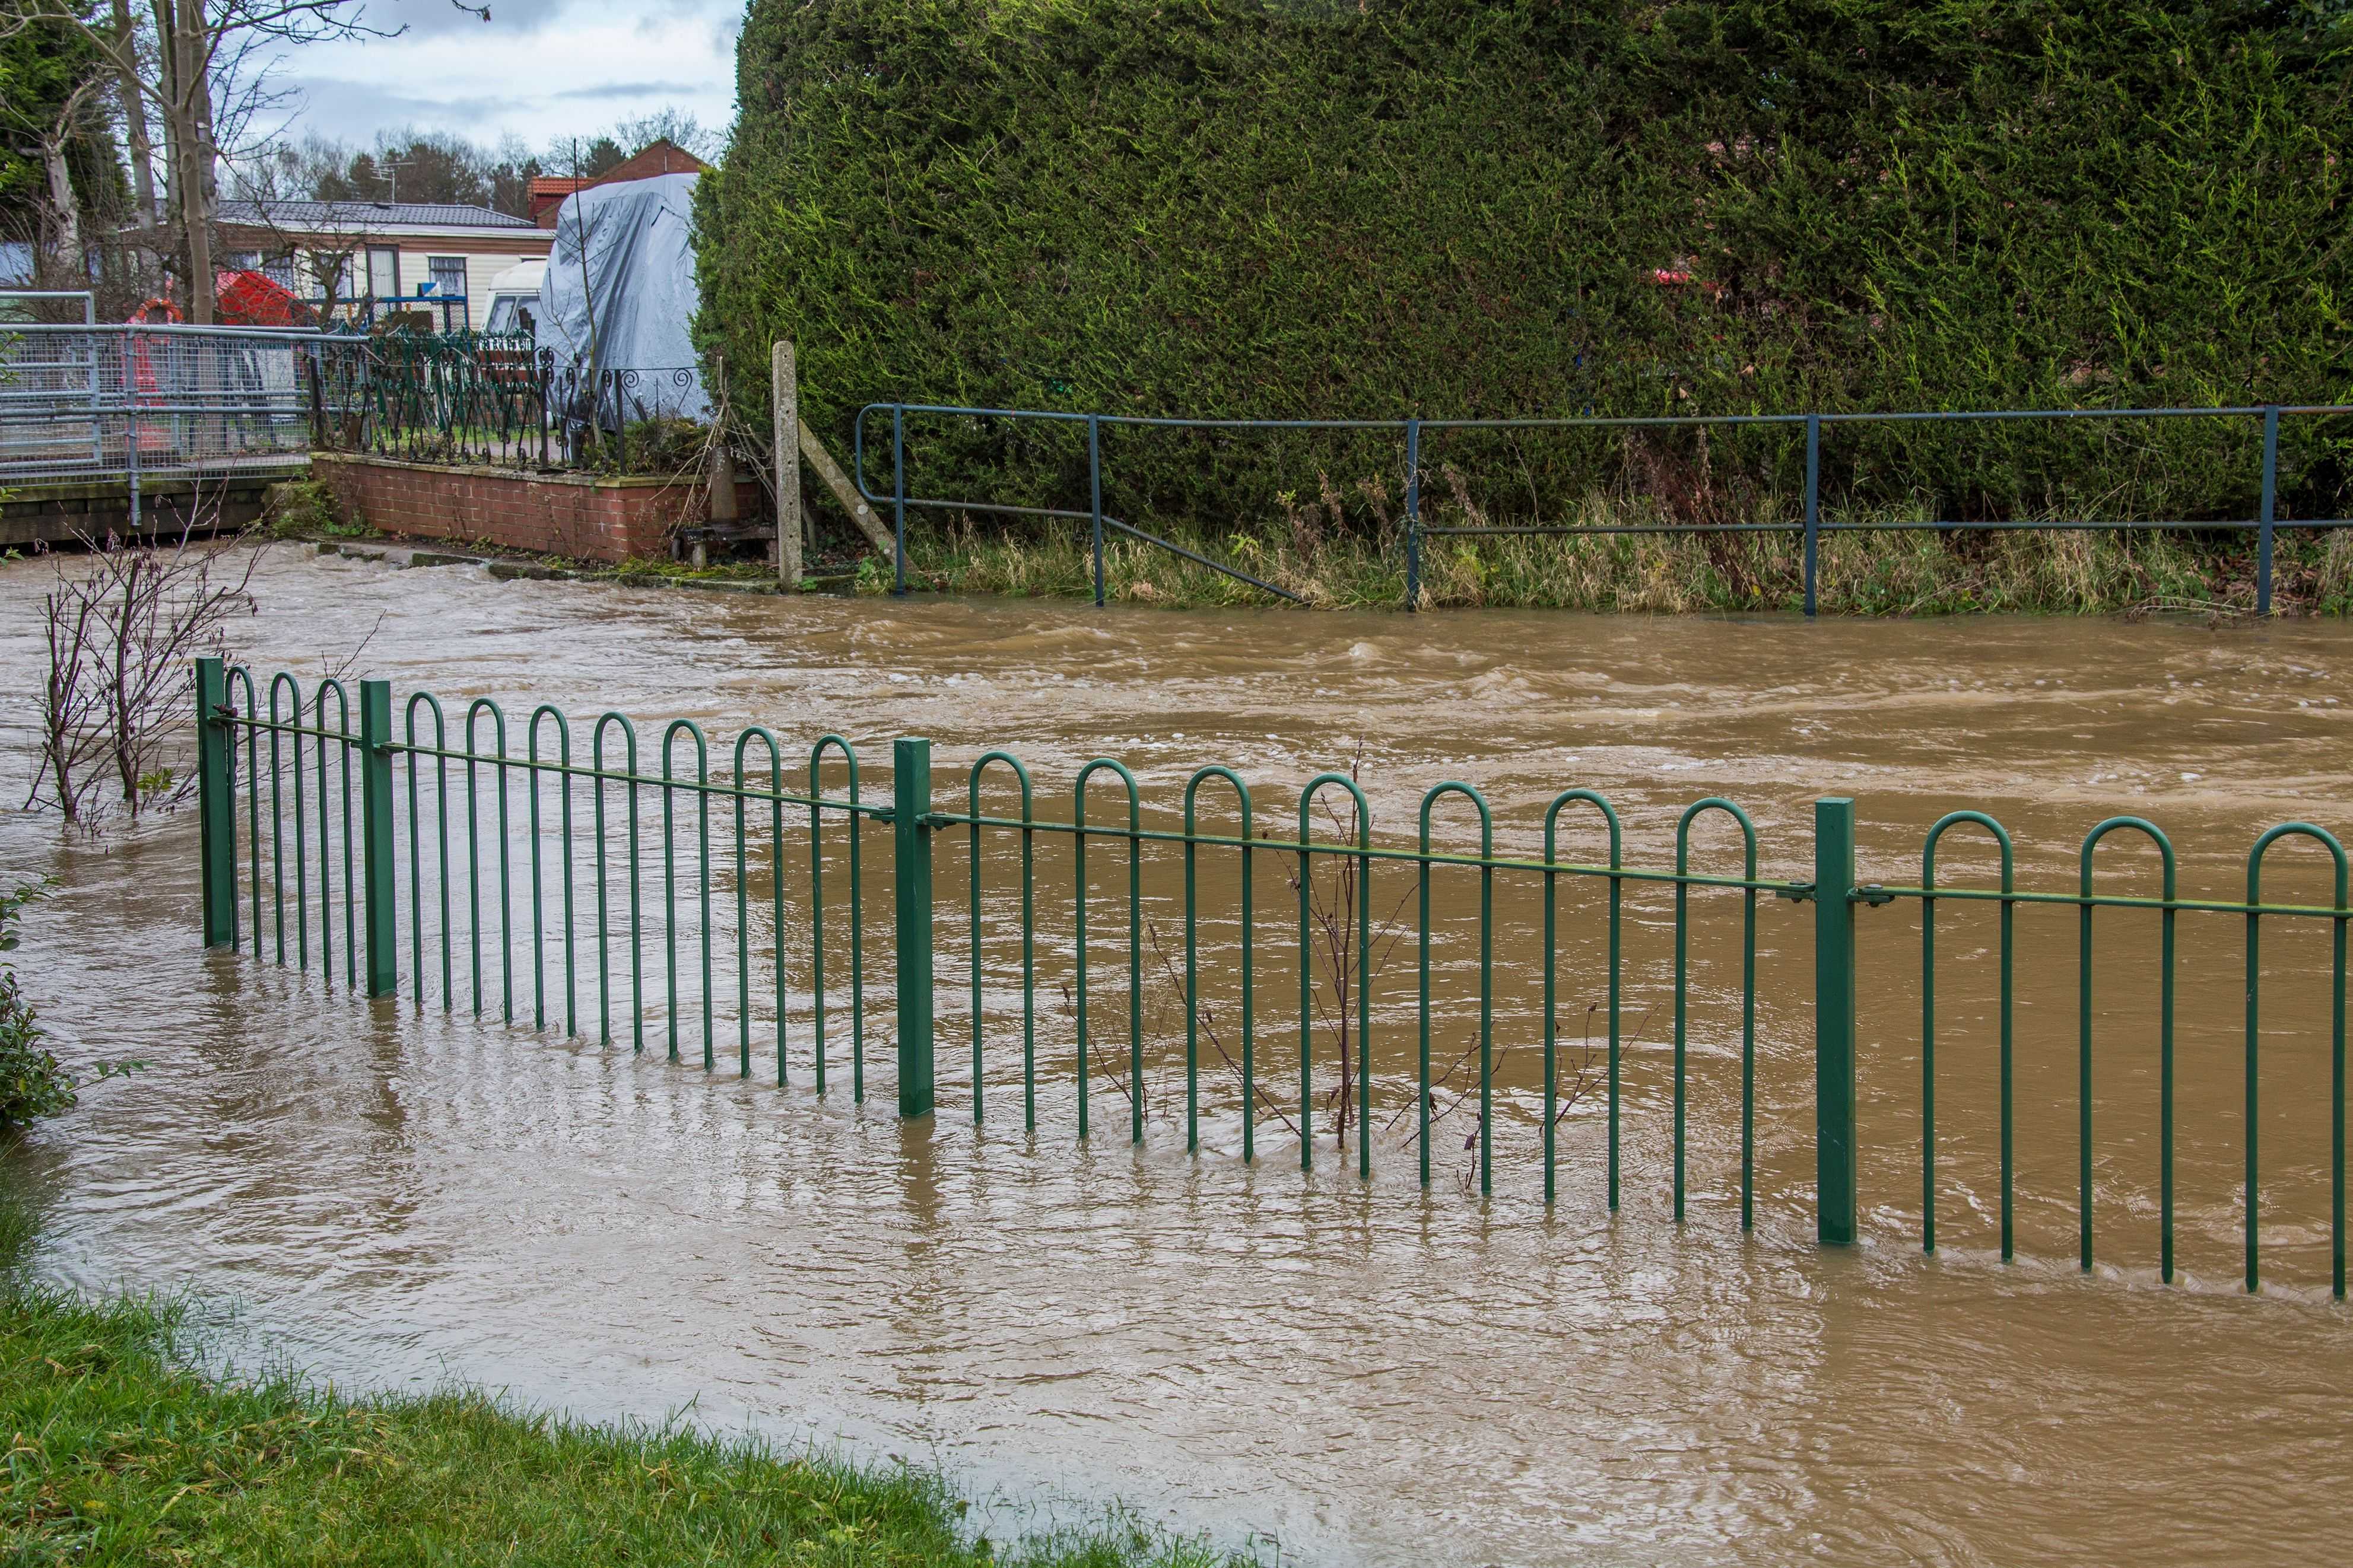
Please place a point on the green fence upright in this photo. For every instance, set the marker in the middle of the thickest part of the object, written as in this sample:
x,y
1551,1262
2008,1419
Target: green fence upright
x,y
375,838
215,812
1835,1132
910,805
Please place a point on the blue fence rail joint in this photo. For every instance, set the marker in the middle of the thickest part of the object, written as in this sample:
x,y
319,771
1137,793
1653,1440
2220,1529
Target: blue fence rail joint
x,y
2266,523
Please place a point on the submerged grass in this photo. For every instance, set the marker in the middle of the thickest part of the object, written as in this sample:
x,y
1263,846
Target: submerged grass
x,y
122,1453
1692,569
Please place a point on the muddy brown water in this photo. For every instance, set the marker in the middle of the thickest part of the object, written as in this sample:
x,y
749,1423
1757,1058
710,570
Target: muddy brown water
x,y
1360,1371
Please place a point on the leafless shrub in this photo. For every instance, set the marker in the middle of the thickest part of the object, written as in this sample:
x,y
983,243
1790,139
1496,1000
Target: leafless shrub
x,y
124,625
1342,966
1207,1014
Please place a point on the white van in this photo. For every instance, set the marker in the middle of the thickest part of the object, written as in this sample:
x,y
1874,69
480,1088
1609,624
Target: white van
x,y
515,300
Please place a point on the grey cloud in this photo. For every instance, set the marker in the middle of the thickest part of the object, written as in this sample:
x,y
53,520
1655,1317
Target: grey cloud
x,y
628,90
356,110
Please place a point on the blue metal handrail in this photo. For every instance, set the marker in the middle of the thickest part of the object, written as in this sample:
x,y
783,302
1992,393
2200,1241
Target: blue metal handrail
x,y
2267,523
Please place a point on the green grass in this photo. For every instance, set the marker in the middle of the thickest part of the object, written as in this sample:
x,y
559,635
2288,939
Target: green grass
x,y
119,1453
717,572
1691,570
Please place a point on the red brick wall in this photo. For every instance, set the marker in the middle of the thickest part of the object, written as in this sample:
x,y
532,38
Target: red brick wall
x,y
574,515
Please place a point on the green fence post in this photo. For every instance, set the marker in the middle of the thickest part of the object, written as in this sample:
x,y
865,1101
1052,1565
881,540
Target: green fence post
x,y
911,803
1834,1139
215,811
1094,494
2271,508
375,836
1813,505
1412,515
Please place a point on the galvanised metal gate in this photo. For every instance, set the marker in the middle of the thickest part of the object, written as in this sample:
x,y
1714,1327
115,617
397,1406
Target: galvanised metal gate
x,y
303,749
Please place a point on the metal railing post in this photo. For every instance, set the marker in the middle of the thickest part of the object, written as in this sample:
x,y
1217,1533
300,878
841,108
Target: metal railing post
x,y
899,498
215,810
911,805
1094,496
314,385
1813,503
1834,1030
97,403
131,422
376,875
2271,502
1412,515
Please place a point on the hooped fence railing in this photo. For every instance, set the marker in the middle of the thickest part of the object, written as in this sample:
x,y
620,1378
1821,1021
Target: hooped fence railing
x,y
1813,526
373,802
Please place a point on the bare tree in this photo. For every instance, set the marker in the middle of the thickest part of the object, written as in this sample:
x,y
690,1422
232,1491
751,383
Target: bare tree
x,y
205,67
125,623
1344,965
668,124
65,209
127,70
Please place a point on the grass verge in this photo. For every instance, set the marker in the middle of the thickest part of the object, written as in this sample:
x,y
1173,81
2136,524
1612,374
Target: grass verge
x,y
1693,570
119,1454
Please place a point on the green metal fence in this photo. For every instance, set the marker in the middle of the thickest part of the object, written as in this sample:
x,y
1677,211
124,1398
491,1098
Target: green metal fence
x,y
316,830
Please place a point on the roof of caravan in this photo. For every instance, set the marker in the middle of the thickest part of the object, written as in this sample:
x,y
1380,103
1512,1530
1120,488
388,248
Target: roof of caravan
x,y
370,217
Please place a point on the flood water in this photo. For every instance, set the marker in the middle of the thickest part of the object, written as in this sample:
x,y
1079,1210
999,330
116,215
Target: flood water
x,y
1361,1372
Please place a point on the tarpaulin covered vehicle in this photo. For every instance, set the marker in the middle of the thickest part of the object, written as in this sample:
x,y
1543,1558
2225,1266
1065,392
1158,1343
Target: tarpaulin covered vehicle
x,y
618,297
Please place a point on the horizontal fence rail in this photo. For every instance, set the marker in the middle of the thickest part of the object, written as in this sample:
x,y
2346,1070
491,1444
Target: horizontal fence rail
x,y
582,887
1413,433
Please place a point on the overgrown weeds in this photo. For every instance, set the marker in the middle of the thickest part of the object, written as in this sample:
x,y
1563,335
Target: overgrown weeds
x,y
1690,568
307,509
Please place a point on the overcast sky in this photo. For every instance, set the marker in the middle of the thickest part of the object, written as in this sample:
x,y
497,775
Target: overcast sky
x,y
541,69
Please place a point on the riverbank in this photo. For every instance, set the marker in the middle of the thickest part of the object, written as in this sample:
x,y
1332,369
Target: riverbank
x,y
1696,570
1884,573
123,1453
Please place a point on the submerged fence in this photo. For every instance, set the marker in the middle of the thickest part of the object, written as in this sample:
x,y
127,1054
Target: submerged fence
x,y
2264,420
323,819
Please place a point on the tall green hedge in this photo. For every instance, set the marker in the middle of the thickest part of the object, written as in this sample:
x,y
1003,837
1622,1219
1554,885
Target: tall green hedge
x,y
1464,208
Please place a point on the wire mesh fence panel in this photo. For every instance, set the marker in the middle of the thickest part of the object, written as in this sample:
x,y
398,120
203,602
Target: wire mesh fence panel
x,y
111,402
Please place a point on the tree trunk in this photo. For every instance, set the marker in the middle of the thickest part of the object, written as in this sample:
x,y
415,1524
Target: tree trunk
x,y
193,182
134,119
168,103
61,200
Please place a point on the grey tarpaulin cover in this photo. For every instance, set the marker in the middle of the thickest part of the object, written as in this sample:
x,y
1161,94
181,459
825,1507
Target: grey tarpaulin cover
x,y
638,287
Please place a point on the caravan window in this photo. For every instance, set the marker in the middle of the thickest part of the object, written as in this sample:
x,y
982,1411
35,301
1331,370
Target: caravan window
x,y
512,313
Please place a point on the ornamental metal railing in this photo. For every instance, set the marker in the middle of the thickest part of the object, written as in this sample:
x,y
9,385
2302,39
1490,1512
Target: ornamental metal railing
x,y
2261,422
530,878
491,400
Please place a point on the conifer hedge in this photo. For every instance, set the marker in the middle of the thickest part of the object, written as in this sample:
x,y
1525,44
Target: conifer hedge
x,y
1466,208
